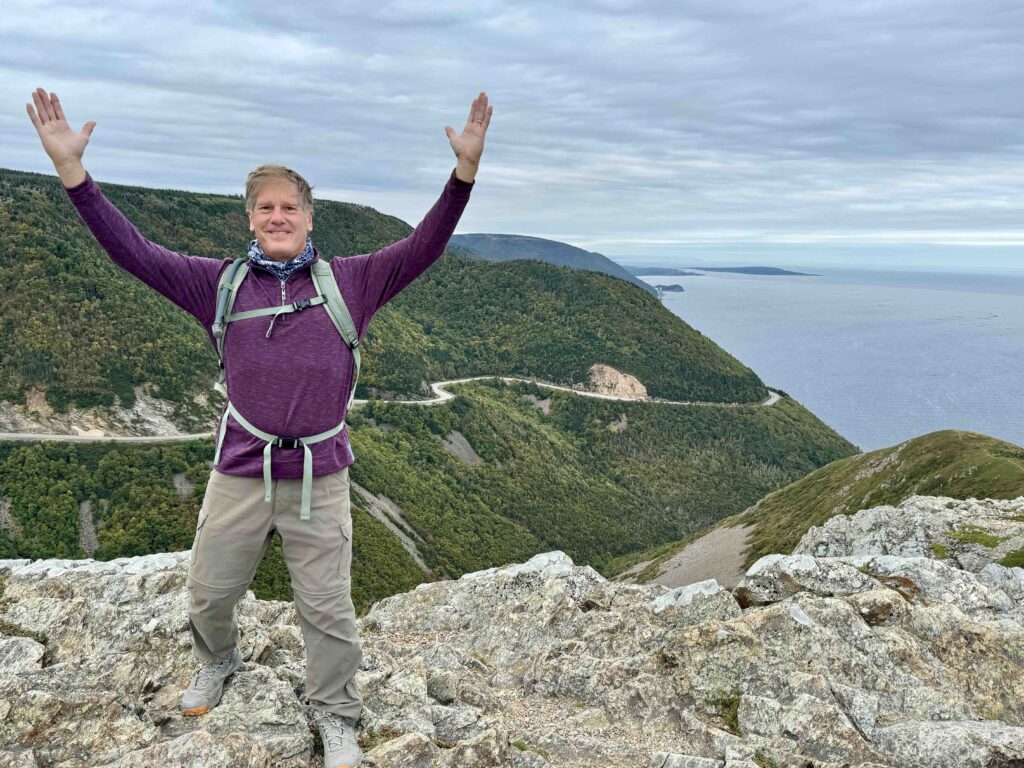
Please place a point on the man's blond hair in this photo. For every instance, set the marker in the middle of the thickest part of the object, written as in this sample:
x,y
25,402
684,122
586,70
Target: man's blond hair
x,y
259,176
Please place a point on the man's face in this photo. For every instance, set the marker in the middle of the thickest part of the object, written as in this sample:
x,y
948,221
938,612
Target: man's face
x,y
278,220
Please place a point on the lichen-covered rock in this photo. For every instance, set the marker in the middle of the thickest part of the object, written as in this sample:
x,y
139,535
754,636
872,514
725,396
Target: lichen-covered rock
x,y
917,579
669,760
411,750
974,744
696,603
774,577
18,654
969,533
1009,580
200,750
63,723
834,656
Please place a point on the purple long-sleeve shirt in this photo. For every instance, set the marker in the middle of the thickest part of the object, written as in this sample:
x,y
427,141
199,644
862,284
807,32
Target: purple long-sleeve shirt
x,y
295,383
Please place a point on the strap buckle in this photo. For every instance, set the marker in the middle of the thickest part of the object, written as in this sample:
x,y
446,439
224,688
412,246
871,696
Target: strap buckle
x,y
288,442
301,304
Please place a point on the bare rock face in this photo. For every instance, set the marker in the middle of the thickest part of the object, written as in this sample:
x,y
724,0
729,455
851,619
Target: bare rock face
x,y
148,415
607,381
456,444
544,405
87,539
863,659
7,521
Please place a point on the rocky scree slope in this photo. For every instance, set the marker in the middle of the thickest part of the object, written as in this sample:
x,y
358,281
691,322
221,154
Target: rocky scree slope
x,y
863,648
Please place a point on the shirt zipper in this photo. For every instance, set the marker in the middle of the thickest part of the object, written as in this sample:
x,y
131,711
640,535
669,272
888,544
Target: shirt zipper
x,y
284,297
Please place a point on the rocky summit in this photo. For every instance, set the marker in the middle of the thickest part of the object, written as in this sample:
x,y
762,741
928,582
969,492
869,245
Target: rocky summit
x,y
892,637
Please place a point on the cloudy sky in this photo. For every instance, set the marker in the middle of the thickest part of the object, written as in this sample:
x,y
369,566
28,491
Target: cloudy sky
x,y
886,132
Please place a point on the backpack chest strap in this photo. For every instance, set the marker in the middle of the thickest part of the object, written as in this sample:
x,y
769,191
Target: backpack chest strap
x,y
295,306
280,442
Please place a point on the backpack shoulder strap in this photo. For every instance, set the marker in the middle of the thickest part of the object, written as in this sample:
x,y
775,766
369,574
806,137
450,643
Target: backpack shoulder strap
x,y
337,310
227,289
327,286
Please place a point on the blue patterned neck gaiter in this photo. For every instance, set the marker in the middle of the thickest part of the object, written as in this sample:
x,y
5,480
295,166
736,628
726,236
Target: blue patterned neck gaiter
x,y
280,269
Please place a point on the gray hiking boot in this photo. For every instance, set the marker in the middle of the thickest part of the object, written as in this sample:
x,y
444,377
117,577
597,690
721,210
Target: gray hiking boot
x,y
207,686
341,750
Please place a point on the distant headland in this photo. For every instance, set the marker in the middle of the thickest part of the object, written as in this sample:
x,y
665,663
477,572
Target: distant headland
x,y
689,272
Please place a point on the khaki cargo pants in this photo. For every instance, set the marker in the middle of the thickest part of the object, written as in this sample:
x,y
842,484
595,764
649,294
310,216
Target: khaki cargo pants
x,y
233,533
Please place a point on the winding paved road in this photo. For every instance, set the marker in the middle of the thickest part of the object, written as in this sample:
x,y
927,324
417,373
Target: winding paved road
x,y
438,387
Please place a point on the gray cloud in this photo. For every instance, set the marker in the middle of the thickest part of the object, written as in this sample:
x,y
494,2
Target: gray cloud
x,y
626,127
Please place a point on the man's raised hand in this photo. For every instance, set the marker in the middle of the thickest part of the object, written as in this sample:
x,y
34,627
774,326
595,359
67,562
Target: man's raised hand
x,y
63,145
468,146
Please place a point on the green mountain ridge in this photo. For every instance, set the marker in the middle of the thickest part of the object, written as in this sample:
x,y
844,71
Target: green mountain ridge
x,y
496,247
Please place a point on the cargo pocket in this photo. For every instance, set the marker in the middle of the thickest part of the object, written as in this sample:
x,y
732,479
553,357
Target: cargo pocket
x,y
345,567
203,514
204,511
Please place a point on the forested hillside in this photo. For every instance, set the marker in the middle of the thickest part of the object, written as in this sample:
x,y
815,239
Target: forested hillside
x,y
85,332
595,478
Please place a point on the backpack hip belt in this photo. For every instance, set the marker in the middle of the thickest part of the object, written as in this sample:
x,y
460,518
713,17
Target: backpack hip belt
x,y
280,442
329,296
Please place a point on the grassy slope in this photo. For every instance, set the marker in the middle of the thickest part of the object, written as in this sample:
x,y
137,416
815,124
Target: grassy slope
x,y
946,463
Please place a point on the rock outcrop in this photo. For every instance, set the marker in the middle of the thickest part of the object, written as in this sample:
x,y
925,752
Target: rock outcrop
x,y
147,416
863,649
969,533
606,380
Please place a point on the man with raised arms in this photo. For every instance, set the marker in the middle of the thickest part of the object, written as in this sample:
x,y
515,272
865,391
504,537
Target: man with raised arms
x,y
290,360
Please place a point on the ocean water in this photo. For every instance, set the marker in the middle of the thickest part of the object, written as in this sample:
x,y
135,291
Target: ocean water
x,y
880,356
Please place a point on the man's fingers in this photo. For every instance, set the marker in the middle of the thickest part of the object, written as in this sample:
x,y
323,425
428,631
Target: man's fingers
x,y
32,116
45,100
42,102
40,109
58,110
479,112
87,128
